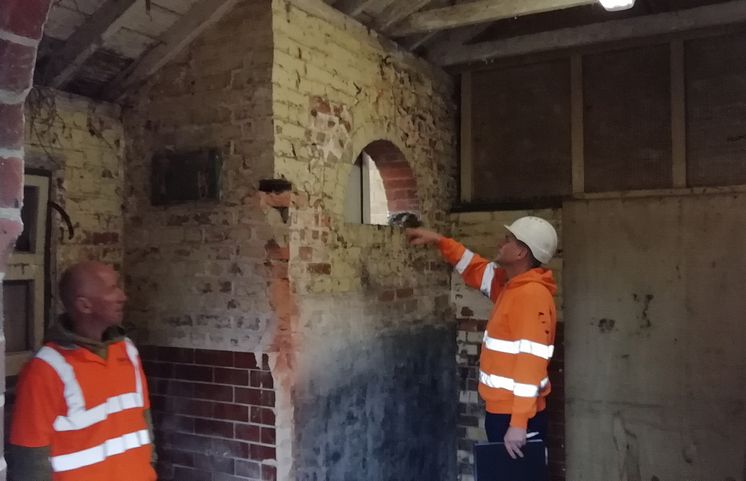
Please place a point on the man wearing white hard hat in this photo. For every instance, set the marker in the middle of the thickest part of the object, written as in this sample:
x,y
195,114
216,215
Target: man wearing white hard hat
x,y
519,340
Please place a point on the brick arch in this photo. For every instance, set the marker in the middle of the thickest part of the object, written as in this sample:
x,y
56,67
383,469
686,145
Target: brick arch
x,y
398,178
21,26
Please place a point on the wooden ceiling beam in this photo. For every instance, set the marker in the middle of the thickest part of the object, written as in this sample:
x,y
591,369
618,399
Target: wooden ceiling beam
x,y
396,12
103,23
448,53
354,8
203,14
476,12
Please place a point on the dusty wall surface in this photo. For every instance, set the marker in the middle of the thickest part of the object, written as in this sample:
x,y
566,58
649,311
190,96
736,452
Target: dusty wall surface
x,y
655,338
373,340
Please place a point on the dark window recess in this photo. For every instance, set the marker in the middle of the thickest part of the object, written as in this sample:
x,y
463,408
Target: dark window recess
x,y
627,119
716,110
185,177
18,316
521,133
27,240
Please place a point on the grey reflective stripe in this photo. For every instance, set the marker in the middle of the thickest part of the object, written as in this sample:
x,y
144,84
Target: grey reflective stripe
x,y
521,346
78,417
465,261
489,274
72,392
97,454
518,389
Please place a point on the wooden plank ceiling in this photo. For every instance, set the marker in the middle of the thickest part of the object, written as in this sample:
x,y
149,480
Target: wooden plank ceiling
x,y
103,48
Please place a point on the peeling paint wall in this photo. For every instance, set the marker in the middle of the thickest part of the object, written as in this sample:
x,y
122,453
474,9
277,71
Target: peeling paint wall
x,y
373,340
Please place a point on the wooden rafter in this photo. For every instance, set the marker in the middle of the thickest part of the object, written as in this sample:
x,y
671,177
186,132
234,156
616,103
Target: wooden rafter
x,y
413,42
480,11
85,41
398,11
354,8
203,14
454,39
447,53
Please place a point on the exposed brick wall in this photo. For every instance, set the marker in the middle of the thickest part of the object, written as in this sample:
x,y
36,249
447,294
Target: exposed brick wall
x,y
210,96
80,143
398,178
481,232
375,378
21,25
214,275
213,412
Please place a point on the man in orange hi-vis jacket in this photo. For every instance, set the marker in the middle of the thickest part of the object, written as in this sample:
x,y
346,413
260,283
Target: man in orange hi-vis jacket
x,y
82,408
519,340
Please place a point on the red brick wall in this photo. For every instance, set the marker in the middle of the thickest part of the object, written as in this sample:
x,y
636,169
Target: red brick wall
x,y
397,175
21,25
213,413
471,408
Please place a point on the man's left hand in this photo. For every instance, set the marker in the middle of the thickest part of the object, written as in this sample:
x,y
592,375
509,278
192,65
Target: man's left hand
x,y
515,439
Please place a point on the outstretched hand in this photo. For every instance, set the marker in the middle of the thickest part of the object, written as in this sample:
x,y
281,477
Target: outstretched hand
x,y
419,236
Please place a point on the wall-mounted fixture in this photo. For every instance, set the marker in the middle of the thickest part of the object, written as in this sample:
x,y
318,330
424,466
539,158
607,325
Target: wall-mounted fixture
x,y
179,177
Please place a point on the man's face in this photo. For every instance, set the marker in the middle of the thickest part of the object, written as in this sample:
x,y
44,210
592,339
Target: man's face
x,y
106,302
509,250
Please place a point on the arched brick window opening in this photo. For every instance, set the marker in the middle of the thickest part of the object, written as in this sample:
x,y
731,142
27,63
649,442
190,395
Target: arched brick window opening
x,y
381,188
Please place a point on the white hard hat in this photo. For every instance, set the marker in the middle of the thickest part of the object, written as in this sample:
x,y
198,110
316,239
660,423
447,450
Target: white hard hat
x,y
537,234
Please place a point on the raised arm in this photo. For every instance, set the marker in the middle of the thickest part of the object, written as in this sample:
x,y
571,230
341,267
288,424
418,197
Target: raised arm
x,y
476,271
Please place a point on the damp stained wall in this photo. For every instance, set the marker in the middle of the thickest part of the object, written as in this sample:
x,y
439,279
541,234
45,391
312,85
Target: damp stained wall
x,y
654,328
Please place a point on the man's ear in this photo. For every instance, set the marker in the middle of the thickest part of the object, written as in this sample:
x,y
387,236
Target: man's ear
x,y
83,305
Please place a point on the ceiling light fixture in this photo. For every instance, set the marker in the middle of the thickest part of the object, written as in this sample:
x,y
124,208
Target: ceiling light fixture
x,y
616,5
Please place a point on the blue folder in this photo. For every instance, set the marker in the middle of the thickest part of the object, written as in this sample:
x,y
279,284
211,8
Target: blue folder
x,y
493,463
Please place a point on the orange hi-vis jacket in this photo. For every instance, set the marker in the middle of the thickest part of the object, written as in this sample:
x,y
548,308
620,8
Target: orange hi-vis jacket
x,y
89,411
519,340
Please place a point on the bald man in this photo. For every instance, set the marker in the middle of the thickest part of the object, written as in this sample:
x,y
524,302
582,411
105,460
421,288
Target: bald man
x,y
82,411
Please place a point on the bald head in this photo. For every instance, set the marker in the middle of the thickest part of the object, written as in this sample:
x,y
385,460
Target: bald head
x,y
91,293
80,280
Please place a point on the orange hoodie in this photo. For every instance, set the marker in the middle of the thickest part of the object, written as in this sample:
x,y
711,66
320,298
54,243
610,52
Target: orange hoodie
x,y
519,340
